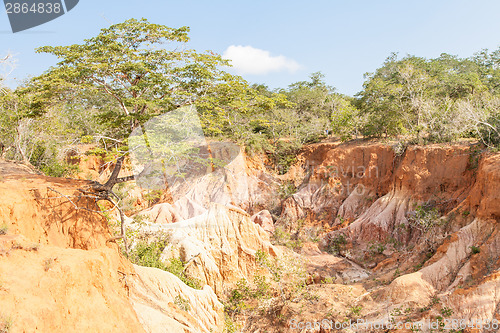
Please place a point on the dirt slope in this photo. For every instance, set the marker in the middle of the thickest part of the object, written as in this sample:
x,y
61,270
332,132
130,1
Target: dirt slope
x,y
58,273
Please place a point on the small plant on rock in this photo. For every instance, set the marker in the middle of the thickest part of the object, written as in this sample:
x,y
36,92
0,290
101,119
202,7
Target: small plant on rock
x,y
182,303
3,229
475,249
5,324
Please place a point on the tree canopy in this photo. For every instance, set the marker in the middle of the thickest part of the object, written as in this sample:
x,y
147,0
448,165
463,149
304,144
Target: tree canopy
x,y
104,88
144,68
440,99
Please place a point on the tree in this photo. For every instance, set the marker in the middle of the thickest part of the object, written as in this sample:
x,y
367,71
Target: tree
x,y
130,62
425,98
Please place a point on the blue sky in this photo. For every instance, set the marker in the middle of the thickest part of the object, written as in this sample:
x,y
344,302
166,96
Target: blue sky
x,y
281,42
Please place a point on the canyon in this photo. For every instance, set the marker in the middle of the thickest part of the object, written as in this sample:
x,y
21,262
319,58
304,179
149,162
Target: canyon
x,y
361,230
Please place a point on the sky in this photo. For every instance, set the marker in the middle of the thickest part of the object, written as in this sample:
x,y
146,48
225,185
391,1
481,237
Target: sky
x,y
280,42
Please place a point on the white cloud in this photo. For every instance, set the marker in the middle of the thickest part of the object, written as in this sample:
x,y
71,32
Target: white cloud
x,y
249,60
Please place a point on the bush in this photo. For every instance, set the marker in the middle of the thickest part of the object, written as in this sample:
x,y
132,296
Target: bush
x,y
337,244
148,254
423,218
285,155
182,303
475,249
281,237
257,144
44,157
287,189
5,324
58,169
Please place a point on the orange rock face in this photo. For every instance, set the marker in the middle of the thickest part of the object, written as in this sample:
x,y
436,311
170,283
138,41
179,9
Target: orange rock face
x,y
58,273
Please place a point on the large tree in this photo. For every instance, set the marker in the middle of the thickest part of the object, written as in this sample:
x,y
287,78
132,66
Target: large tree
x,y
145,68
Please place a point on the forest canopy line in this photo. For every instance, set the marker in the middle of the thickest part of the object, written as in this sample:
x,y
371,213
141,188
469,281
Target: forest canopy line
x,y
105,87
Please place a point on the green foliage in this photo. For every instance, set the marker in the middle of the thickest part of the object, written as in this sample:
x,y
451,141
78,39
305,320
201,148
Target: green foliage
x,y
48,263
182,303
400,148
153,196
243,292
446,312
6,323
355,311
474,156
287,189
229,325
376,248
258,144
423,217
346,119
285,155
337,244
281,237
263,260
137,70
435,300
149,253
475,249
438,99
4,229
97,151
262,287
236,301
397,273
45,159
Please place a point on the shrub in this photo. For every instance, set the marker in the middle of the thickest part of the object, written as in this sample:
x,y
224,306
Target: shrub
x,y
285,155
281,237
5,324
337,244
355,310
475,249
58,169
423,218
148,254
446,312
237,296
44,157
182,303
377,248
287,189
